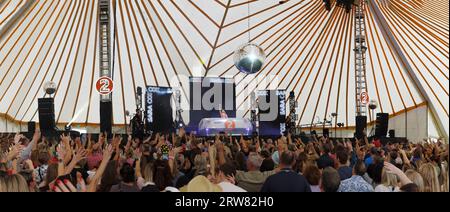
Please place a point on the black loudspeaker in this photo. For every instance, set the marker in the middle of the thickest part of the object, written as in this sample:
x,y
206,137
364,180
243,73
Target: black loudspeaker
x,y
326,132
46,108
391,133
382,125
31,126
106,117
159,113
361,126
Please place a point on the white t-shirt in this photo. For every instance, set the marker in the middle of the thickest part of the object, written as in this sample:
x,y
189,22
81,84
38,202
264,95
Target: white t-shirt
x,y
228,187
383,188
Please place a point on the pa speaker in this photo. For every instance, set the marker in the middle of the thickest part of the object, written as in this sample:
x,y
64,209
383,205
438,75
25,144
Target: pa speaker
x,y
31,126
106,117
361,126
382,125
326,132
46,108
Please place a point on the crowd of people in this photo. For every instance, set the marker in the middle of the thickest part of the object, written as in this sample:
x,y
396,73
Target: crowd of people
x,y
184,163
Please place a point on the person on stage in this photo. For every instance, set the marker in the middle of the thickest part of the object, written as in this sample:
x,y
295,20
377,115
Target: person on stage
x,y
223,114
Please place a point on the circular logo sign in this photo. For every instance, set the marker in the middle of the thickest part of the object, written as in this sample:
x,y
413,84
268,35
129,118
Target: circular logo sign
x,y
105,85
364,98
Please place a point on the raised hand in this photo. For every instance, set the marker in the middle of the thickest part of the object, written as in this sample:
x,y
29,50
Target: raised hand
x,y
65,139
81,185
231,179
14,152
181,132
80,154
349,145
78,143
37,135
107,152
65,186
116,141
17,138
61,151
101,138
3,157
360,153
138,154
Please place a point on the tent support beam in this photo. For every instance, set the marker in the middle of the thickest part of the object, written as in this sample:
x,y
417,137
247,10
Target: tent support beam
x,y
15,18
383,24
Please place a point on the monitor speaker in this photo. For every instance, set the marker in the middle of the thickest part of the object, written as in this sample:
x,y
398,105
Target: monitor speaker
x,y
391,133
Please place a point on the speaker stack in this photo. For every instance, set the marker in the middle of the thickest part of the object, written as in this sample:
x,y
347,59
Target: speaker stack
x,y
361,126
46,108
382,125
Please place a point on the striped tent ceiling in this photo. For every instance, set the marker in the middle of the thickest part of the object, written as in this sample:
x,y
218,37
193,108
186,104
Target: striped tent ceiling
x,y
310,51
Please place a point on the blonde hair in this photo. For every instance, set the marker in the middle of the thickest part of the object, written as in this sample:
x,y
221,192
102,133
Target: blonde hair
x,y
148,172
416,178
201,165
430,178
444,173
13,183
389,179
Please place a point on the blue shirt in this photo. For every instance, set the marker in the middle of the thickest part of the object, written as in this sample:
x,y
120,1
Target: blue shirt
x,y
368,161
355,184
345,172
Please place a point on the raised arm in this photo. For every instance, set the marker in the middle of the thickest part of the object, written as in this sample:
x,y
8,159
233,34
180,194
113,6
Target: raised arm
x,y
78,156
138,172
107,152
404,157
35,140
402,176
220,153
65,140
172,153
212,159
61,154
289,138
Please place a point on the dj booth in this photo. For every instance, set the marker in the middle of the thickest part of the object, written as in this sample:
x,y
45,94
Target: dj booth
x,y
230,126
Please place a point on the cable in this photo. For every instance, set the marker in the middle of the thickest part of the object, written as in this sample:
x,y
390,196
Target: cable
x,y
248,23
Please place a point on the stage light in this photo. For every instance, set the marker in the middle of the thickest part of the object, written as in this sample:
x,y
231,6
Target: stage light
x,y
373,104
50,88
327,4
68,128
249,58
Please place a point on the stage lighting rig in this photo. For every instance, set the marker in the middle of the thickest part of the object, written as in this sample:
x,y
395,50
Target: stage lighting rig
x,y
347,4
179,122
293,117
327,4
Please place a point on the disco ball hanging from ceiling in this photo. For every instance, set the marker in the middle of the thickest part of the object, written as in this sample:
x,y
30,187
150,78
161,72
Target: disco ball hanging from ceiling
x,y
249,58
